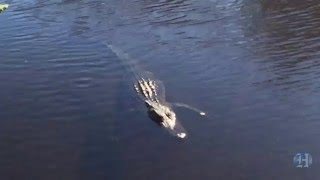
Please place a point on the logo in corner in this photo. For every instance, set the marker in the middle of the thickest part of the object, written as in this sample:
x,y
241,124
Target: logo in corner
x,y
302,160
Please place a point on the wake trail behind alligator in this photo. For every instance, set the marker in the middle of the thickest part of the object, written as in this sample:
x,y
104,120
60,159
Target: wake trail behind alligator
x,y
137,73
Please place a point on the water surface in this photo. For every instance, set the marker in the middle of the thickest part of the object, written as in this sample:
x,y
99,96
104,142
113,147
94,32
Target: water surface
x,y
68,110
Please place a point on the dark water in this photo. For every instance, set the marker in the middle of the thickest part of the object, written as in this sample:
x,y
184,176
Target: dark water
x,y
67,110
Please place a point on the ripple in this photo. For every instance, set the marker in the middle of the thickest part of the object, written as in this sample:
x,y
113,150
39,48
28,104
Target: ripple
x,y
253,67
83,82
289,44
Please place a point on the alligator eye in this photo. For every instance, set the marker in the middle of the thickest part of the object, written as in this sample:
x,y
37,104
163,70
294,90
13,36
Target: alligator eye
x,y
168,115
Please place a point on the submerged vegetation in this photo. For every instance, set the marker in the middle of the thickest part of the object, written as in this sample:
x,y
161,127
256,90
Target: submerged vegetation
x,y
3,7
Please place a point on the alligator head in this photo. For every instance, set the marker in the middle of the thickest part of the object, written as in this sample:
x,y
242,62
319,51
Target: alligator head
x,y
159,111
165,116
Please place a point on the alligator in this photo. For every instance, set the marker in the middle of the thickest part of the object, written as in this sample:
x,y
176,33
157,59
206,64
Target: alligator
x,y
151,91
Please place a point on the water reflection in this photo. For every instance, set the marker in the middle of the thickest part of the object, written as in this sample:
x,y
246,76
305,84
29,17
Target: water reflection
x,y
68,110
287,43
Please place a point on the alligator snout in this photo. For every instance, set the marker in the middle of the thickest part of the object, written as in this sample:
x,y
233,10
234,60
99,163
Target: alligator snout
x,y
164,116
